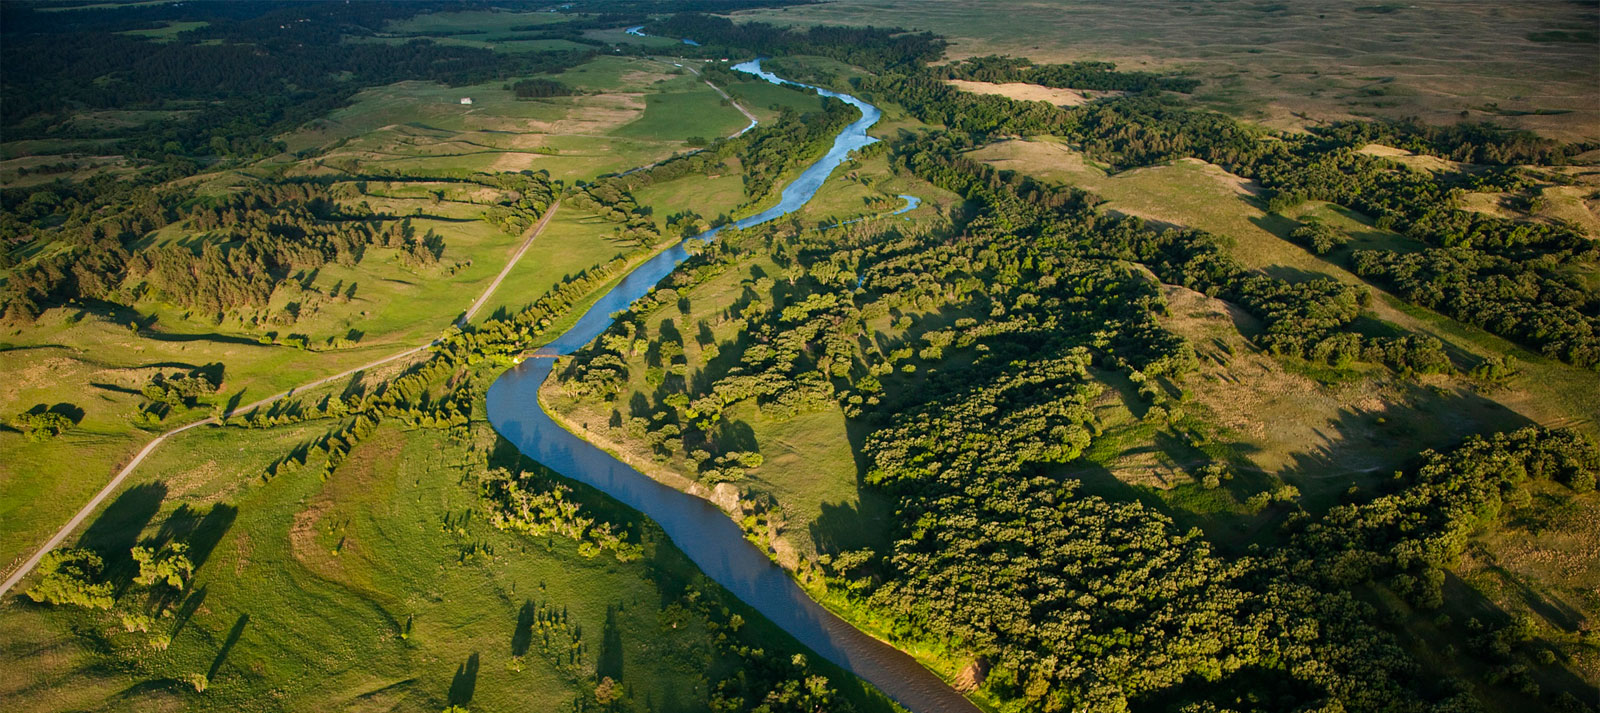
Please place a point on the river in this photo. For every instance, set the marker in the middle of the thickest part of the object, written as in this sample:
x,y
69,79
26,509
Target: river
x,y
698,528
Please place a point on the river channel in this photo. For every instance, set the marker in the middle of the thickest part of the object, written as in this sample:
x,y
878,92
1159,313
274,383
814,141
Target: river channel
x,y
697,527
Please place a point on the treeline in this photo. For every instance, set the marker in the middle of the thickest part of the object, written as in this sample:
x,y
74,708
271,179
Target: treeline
x,y
540,89
249,242
1512,298
1100,76
609,198
1467,142
872,47
257,70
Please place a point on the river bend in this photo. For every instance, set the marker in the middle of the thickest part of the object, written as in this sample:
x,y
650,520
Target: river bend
x,y
698,528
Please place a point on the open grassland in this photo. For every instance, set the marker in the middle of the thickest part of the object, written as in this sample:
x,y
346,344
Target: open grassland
x,y
358,592
572,242
694,111
630,112
89,361
1023,91
1540,569
766,99
1527,64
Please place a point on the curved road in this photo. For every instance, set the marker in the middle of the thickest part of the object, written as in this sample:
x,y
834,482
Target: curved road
x,y
100,497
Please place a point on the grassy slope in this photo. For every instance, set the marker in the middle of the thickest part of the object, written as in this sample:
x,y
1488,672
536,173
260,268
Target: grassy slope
x,y
325,577
1199,195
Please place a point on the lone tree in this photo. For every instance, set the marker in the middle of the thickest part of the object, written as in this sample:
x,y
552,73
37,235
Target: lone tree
x,y
43,425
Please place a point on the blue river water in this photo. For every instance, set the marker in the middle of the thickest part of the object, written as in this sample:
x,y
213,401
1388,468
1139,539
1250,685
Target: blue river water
x,y
698,528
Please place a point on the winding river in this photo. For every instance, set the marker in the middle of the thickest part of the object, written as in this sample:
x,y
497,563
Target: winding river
x,y
697,527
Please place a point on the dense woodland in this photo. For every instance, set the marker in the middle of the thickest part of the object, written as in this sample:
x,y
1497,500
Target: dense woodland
x,y
1075,601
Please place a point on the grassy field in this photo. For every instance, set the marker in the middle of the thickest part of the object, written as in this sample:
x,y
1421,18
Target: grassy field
x,y
1290,62
631,112
353,593
88,358
697,111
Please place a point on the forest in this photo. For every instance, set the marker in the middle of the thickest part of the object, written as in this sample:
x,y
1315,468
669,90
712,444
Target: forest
x,y
1075,601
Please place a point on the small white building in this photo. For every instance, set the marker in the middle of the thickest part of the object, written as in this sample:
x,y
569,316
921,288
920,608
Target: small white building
x,y
466,100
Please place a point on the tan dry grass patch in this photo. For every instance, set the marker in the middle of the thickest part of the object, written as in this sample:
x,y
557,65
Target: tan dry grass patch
x,y
1023,91
1423,162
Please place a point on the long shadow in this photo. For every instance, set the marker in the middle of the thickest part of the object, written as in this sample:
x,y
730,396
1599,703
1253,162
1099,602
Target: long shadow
x,y
212,337
115,532
842,527
71,411
522,636
227,644
465,682
233,403
1293,275
609,663
186,611
114,388
209,531
1363,447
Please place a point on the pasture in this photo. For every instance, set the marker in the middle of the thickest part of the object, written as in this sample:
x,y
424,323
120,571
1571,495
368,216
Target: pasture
x,y
356,591
1289,63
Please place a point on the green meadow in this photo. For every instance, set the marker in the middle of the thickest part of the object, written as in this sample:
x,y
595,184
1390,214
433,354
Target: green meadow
x,y
381,587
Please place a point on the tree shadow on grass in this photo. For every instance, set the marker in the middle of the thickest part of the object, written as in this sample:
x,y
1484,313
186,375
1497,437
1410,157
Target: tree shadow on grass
x,y
115,532
735,435
465,682
522,636
187,610
217,337
227,645
609,663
